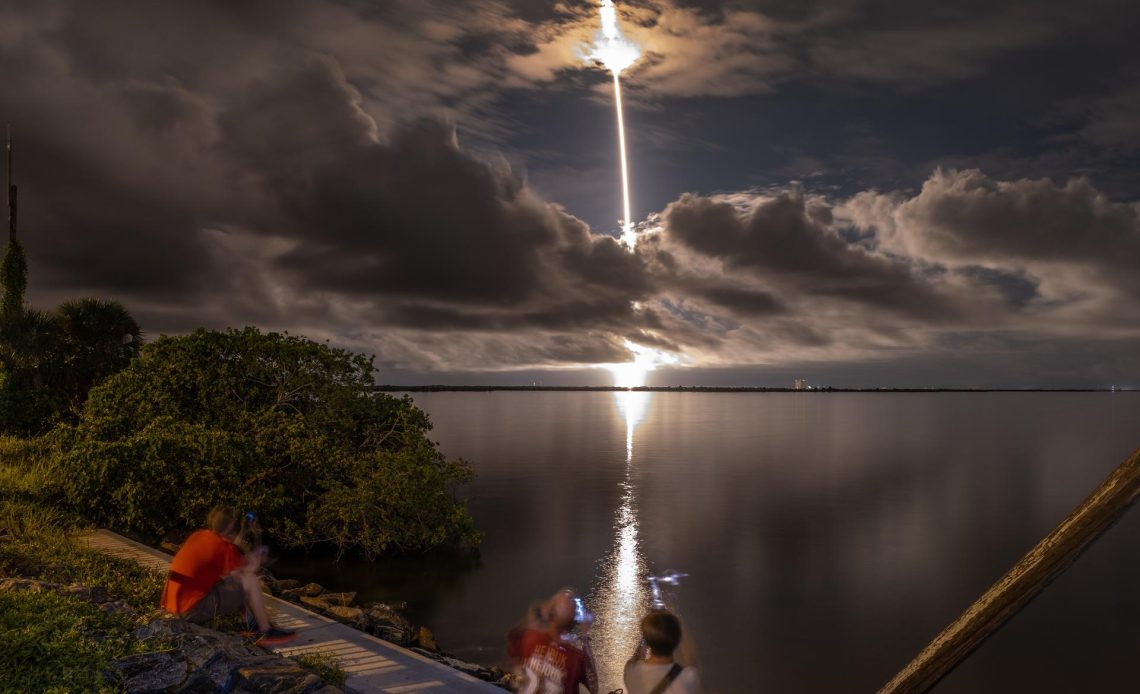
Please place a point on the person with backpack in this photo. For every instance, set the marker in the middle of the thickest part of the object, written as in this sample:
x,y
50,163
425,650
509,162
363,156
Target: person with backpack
x,y
652,669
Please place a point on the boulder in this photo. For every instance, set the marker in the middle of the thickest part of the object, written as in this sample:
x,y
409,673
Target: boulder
x,y
344,599
316,603
276,676
93,594
217,673
151,672
18,584
396,635
353,615
385,616
117,607
310,589
279,587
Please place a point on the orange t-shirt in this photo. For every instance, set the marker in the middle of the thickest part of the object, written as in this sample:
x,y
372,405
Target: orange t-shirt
x,y
200,563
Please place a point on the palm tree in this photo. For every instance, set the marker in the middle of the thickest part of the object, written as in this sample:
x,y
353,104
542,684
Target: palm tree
x,y
31,363
98,337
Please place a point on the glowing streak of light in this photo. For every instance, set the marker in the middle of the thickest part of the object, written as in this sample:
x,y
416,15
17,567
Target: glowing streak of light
x,y
631,374
611,48
622,597
628,237
616,53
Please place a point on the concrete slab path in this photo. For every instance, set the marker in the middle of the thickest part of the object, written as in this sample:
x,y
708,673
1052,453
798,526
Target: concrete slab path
x,y
372,664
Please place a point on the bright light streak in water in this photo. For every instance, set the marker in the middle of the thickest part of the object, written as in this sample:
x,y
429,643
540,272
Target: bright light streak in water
x,y
621,597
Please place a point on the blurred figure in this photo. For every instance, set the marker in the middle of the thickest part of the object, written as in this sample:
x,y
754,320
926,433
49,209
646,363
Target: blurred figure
x,y
553,657
652,669
210,577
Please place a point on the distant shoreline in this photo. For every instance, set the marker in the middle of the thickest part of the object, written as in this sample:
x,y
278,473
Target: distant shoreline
x,y
728,389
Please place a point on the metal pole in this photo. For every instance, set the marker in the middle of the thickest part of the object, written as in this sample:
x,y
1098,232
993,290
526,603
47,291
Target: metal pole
x,y
10,187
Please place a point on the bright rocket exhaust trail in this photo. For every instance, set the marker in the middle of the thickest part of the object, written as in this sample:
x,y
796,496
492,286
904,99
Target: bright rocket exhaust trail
x,y
627,236
617,53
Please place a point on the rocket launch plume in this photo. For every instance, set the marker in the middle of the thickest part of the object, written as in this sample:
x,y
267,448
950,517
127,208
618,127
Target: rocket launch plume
x,y
613,50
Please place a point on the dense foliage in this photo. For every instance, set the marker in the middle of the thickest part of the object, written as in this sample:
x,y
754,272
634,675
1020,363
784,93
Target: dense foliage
x,y
279,425
49,361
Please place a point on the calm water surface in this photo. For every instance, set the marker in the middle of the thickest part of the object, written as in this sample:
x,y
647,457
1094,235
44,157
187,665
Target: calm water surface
x,y
827,536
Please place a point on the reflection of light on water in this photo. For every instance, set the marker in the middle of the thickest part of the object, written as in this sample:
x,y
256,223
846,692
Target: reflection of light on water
x,y
621,597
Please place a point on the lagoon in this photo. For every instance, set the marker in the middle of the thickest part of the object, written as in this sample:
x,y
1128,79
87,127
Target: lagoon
x,y
826,536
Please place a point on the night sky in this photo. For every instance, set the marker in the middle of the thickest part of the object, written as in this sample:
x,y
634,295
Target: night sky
x,y
858,192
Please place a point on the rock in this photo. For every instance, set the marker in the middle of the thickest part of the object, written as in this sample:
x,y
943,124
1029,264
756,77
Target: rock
x,y
385,616
117,607
197,643
426,640
276,676
311,589
279,587
354,615
151,672
344,599
398,636
317,603
217,674
93,594
18,584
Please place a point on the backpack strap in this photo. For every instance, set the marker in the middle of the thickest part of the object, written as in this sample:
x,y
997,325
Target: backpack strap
x,y
673,673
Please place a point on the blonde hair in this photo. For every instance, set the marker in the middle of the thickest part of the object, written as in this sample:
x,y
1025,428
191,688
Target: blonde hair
x,y
222,520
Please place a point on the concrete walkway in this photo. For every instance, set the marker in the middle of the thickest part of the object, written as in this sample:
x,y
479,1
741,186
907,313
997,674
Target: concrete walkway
x,y
372,664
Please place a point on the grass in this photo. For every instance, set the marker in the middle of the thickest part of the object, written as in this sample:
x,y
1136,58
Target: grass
x,y
324,666
53,642
50,641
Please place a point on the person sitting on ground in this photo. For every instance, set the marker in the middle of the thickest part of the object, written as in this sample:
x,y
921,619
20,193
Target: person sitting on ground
x,y
652,669
552,658
209,578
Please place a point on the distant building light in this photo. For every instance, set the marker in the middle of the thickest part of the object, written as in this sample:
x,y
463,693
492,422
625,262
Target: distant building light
x,y
801,384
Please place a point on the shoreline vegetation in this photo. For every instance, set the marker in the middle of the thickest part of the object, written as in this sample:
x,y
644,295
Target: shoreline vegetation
x,y
729,389
98,428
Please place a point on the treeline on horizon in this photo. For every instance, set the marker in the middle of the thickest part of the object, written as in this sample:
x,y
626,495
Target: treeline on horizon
x,y
387,388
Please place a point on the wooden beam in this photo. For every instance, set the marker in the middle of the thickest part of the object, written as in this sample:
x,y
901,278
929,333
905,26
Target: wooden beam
x,y
1025,581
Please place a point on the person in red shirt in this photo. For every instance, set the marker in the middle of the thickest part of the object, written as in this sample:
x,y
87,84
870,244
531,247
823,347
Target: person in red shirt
x,y
552,658
210,577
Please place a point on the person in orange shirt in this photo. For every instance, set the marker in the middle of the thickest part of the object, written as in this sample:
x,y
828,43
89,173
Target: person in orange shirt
x,y
210,577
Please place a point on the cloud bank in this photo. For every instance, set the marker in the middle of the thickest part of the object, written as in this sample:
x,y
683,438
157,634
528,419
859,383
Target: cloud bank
x,y
296,179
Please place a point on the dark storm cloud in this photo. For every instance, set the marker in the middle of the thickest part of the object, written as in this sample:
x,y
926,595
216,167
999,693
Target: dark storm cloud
x,y
792,243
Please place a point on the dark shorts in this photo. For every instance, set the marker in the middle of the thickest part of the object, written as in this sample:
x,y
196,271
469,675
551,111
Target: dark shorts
x,y
227,597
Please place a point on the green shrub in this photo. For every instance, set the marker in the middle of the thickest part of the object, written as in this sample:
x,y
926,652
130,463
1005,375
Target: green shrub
x,y
277,424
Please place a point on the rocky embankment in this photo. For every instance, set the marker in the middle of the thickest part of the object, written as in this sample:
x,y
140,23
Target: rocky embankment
x,y
382,620
186,658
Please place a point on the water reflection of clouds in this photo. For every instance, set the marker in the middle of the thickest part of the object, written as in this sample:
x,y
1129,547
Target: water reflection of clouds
x,y
621,596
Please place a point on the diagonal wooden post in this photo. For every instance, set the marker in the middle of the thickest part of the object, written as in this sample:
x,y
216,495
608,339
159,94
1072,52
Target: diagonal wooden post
x,y
1025,581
